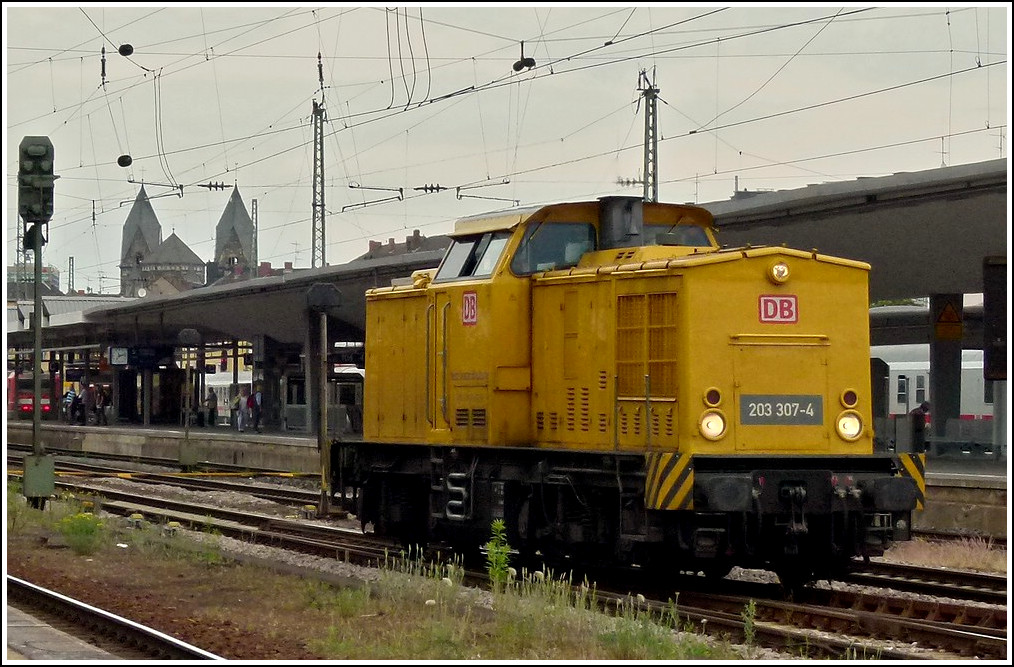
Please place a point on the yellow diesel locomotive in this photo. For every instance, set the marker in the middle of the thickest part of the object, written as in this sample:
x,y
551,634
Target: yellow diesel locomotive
x,y
623,391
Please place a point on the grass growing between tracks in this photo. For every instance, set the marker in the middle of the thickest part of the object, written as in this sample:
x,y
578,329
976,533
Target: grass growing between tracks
x,y
410,610
967,553
422,611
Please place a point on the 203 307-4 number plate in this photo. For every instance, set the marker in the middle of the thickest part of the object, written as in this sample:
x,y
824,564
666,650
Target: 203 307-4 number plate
x,y
777,409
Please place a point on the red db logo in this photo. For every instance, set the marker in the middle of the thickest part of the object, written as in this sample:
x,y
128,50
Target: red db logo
x,y
778,309
469,308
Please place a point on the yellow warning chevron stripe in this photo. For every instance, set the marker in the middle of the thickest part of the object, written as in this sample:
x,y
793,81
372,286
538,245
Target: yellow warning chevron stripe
x,y
914,466
669,481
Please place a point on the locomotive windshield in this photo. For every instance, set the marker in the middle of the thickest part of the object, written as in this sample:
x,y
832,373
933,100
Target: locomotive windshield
x,y
552,245
679,235
472,256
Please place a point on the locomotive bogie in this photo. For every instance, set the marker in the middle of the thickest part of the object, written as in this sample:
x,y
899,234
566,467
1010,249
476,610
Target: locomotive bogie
x,y
775,513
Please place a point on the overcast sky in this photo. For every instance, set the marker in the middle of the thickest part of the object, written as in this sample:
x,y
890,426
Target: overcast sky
x,y
754,96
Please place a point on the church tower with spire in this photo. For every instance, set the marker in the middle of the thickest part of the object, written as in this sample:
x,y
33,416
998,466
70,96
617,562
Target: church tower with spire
x,y
234,243
142,233
150,266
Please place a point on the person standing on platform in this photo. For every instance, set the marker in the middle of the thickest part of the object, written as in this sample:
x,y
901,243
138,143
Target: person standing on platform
x,y
255,408
101,402
89,404
918,416
76,409
70,402
241,408
211,402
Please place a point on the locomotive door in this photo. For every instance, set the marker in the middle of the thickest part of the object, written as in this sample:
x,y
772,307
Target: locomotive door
x,y
437,324
781,385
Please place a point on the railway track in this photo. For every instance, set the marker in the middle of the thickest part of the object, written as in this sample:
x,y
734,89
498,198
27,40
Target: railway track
x,y
844,618
67,456
958,584
846,627
844,623
117,635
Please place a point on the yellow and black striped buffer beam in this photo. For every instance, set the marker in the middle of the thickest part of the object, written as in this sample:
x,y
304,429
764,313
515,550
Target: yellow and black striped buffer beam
x,y
669,481
914,466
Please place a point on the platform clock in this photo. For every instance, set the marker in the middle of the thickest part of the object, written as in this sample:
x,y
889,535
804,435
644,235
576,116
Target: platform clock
x,y
118,356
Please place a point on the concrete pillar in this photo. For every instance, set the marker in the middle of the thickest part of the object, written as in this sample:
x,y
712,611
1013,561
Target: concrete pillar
x,y
945,360
235,382
1000,416
114,396
147,385
202,359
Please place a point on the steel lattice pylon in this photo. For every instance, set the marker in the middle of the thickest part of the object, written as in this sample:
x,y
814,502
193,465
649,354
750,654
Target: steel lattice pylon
x,y
317,257
650,140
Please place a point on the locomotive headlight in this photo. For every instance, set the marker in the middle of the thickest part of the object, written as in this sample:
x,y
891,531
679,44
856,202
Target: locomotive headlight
x,y
849,425
778,273
712,424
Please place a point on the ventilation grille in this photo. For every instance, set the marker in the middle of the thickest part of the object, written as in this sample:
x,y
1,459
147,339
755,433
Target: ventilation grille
x,y
661,424
631,423
646,344
578,409
465,417
585,409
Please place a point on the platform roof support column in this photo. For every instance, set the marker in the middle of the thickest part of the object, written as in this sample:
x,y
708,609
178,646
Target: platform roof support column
x,y
945,360
146,390
202,359
87,377
114,395
1000,416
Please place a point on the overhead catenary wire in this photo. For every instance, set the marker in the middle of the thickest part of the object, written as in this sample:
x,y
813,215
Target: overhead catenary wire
x,y
226,145
218,92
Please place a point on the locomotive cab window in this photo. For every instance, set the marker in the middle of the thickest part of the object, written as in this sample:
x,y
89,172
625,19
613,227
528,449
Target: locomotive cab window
x,y
473,256
552,245
678,235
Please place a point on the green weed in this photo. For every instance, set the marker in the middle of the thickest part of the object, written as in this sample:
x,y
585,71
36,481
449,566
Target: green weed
x,y
498,556
82,531
749,617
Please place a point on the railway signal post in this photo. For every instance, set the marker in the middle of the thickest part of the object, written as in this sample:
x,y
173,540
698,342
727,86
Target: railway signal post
x,y
35,206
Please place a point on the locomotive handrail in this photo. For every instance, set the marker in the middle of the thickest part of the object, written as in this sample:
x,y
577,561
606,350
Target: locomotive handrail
x,y
429,400
616,412
781,339
647,411
443,399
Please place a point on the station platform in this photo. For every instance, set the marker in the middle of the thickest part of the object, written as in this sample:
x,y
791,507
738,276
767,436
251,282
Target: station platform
x,y
964,495
29,638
